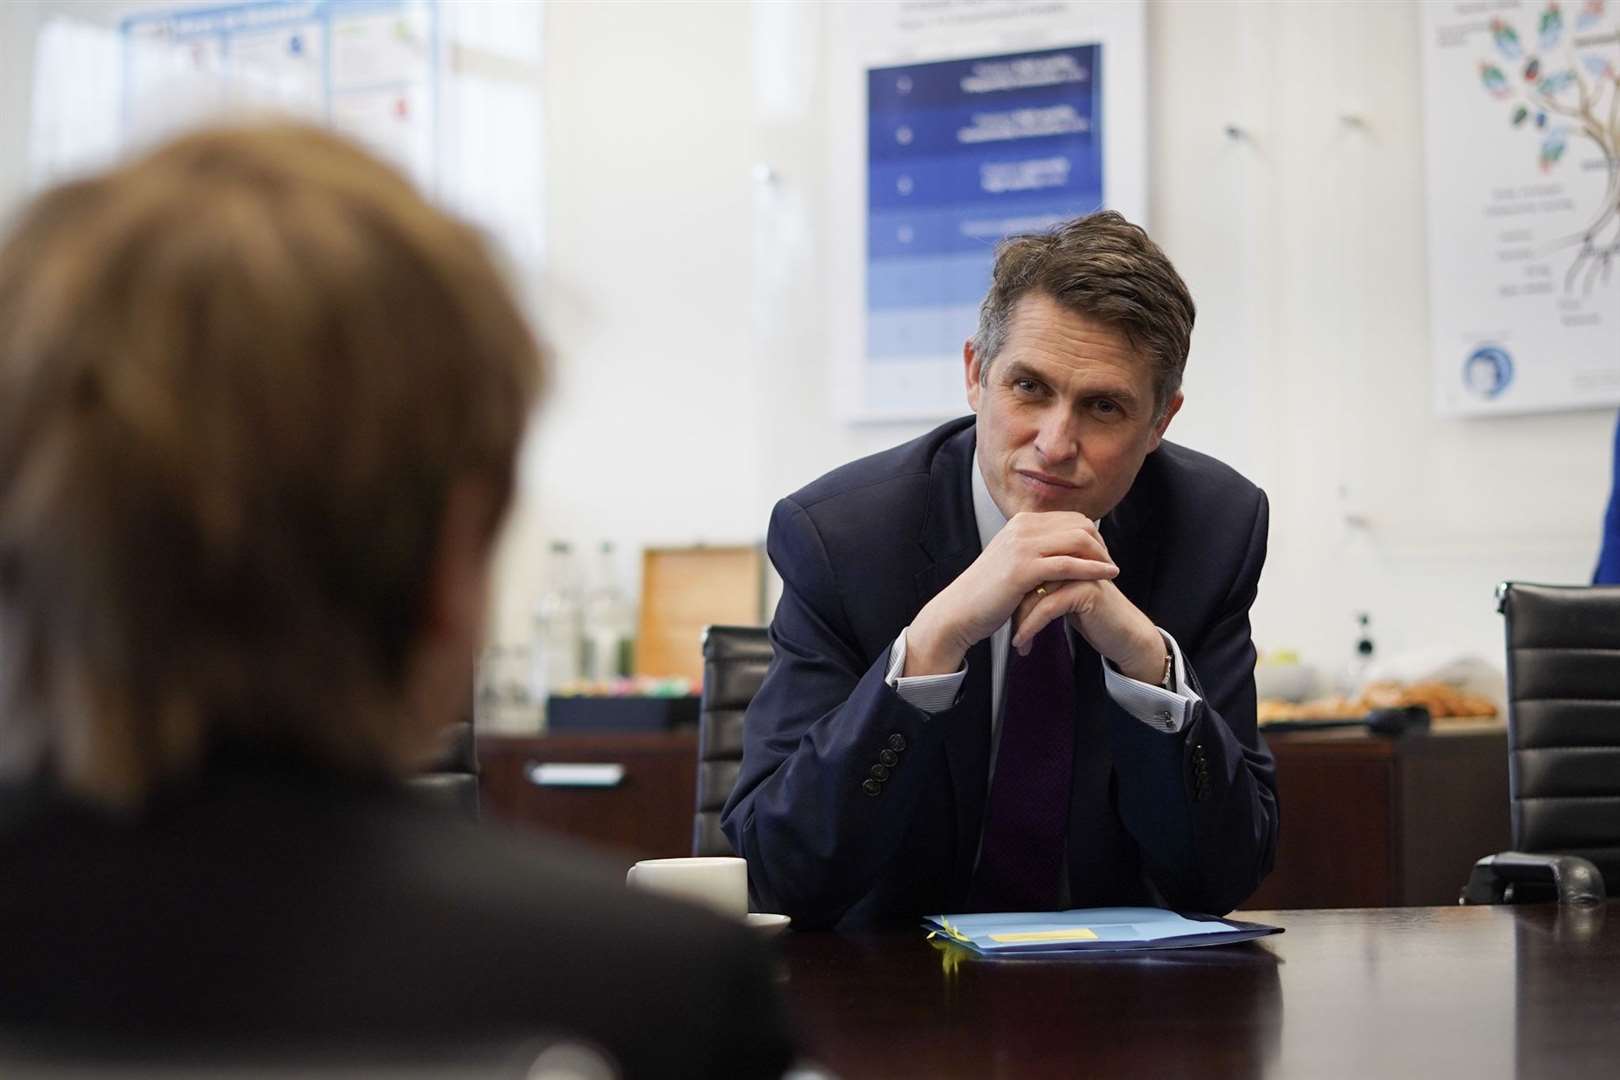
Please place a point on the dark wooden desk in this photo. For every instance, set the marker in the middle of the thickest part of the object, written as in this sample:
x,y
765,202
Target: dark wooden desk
x,y
647,815
1367,821
1373,821
1432,992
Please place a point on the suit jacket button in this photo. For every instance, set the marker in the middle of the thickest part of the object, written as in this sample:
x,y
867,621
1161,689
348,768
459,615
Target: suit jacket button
x,y
880,773
897,741
888,757
871,787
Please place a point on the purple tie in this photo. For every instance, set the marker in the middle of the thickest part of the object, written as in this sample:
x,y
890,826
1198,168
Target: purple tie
x,y
1021,853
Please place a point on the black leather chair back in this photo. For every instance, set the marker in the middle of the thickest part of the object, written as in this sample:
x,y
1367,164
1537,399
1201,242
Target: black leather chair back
x,y
1563,678
452,782
734,663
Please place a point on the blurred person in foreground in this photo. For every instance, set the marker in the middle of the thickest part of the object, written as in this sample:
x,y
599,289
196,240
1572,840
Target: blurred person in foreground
x,y
259,410
1012,663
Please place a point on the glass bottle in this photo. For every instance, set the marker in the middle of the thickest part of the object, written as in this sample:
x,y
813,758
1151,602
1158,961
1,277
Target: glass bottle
x,y
555,654
607,619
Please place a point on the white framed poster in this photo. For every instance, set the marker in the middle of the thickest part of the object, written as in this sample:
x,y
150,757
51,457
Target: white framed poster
x,y
955,125
1522,140
366,67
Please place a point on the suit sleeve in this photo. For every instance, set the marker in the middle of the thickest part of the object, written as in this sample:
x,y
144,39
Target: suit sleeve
x,y
813,819
1202,804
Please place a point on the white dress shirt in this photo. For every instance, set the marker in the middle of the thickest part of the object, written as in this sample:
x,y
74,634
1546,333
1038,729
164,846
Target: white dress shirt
x,y
1166,710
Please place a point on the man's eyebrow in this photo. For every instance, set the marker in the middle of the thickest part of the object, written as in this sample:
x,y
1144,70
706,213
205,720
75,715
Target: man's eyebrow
x,y
1120,391
1017,369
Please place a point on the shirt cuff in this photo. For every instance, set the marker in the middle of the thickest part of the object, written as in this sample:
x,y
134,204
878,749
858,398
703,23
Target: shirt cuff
x,y
1165,710
930,693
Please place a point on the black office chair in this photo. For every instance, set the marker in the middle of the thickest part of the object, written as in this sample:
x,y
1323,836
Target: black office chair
x,y
734,663
1563,678
452,781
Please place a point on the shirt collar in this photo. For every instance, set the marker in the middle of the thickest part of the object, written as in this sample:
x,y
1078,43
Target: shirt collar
x,y
986,514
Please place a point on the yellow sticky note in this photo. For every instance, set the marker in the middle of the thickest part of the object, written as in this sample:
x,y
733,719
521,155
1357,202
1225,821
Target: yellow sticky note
x,y
1020,937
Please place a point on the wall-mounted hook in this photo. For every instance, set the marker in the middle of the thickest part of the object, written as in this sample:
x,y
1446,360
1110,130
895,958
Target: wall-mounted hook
x,y
1235,133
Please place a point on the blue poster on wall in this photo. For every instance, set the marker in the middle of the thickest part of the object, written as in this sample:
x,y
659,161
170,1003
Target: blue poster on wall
x,y
961,154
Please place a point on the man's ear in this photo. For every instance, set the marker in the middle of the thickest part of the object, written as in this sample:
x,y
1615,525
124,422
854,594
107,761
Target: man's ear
x,y
970,374
1164,421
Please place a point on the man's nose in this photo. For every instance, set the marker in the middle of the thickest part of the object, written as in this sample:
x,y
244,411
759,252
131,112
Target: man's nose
x,y
1058,440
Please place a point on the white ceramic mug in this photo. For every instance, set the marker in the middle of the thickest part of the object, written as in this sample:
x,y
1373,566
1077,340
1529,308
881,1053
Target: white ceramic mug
x,y
718,882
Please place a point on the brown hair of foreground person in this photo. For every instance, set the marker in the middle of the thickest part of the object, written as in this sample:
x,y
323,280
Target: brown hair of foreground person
x,y
252,390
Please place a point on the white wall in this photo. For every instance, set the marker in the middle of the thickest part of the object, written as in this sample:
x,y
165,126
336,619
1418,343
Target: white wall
x,y
688,305
686,302
650,433
684,295
1303,242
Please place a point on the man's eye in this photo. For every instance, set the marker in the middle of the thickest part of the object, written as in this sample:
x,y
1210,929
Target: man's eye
x,y
1105,407
1026,386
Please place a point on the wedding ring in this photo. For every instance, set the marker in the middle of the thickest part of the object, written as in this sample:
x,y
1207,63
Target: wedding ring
x,y
1040,590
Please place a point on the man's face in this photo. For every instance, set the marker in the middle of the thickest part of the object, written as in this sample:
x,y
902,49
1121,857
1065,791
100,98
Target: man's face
x,y
1067,415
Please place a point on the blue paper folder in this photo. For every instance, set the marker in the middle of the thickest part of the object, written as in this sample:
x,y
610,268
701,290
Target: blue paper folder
x,y
1017,933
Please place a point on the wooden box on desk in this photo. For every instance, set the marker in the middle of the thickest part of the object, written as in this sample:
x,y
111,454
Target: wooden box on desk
x,y
645,814
684,590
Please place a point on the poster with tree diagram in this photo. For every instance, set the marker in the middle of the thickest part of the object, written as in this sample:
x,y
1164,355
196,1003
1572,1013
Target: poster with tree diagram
x,y
1522,118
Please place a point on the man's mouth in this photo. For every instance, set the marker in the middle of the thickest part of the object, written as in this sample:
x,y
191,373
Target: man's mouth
x,y
1042,482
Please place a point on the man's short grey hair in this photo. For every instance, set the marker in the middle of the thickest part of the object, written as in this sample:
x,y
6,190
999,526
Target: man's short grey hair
x,y
1102,267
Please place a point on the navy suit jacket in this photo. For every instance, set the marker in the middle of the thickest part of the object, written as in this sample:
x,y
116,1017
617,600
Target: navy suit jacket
x,y
1187,821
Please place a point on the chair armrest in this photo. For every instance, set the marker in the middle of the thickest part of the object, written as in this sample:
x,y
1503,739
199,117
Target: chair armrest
x,y
1517,877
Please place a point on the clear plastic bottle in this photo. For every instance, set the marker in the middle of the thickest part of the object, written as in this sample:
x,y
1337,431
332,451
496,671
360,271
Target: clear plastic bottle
x,y
555,654
607,619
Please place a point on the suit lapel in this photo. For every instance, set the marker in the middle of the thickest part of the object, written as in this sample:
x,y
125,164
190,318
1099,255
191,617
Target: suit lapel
x,y
950,543
1132,541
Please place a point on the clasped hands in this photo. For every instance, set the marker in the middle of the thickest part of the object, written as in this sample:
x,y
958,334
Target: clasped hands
x,y
1039,567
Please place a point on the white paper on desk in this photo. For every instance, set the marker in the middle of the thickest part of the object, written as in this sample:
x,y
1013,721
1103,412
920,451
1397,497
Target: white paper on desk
x,y
1121,929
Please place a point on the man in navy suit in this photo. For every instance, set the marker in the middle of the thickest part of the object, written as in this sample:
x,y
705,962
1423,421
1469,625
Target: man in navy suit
x,y
1013,667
